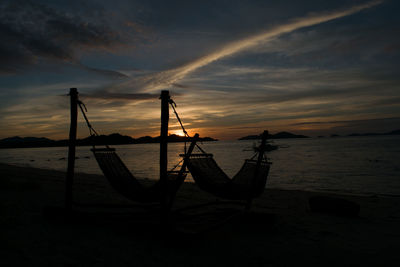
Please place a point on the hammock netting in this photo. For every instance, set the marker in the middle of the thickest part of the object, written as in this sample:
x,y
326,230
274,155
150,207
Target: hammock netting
x,y
249,182
122,180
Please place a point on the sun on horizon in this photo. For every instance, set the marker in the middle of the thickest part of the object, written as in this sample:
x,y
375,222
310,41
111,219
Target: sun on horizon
x,y
176,132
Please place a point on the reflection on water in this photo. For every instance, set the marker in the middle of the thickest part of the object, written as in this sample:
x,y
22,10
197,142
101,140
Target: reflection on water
x,y
346,164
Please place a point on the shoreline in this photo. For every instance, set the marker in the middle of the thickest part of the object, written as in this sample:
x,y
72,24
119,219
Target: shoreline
x,y
330,192
284,232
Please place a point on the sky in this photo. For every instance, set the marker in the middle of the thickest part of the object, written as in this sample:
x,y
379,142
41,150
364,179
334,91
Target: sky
x,y
234,68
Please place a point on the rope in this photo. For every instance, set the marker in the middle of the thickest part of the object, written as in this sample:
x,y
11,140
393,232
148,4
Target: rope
x,y
177,165
173,105
257,149
92,131
254,156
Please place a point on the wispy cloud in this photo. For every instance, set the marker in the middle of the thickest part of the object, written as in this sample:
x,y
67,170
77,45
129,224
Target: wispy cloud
x,y
167,78
343,121
101,94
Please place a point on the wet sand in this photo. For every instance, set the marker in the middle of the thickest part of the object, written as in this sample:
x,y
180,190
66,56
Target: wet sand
x,y
280,231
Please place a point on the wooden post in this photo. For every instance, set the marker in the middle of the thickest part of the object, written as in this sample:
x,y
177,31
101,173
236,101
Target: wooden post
x,y
71,150
181,174
189,152
164,143
262,148
259,160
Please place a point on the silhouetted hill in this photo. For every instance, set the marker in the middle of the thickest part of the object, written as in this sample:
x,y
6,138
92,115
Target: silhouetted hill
x,y
280,135
112,139
17,141
395,132
283,135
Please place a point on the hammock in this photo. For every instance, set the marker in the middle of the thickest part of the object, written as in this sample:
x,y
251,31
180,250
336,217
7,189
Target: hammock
x,y
248,183
122,180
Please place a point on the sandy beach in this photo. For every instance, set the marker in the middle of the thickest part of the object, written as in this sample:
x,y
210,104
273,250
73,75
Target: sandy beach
x,y
280,231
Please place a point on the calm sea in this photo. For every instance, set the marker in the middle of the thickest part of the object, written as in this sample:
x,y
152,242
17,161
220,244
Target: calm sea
x,y
355,165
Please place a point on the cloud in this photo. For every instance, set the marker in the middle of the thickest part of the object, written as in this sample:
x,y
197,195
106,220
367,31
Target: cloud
x,y
30,31
102,94
346,121
376,125
273,85
229,96
103,72
167,78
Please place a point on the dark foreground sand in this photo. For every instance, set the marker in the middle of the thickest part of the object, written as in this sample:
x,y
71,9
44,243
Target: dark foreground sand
x,y
282,232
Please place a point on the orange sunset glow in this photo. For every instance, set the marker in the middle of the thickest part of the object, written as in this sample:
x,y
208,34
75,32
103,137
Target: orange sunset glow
x,y
309,72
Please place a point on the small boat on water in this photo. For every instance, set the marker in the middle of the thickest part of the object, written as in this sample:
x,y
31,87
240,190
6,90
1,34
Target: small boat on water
x,y
268,148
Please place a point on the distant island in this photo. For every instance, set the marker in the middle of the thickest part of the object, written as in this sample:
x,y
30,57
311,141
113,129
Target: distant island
x,y
395,132
112,139
280,135
283,135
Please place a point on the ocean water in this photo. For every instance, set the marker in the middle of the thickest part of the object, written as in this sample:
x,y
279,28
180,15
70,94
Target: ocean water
x,y
355,165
